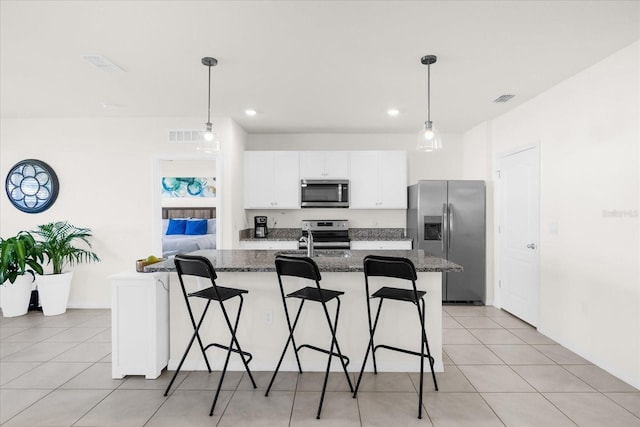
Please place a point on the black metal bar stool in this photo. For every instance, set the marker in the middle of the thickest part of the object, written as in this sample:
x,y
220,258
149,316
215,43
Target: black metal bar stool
x,y
306,268
189,265
400,268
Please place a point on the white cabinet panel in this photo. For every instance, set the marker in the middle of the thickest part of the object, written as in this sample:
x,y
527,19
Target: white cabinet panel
x,y
378,180
364,180
286,183
258,179
393,179
271,180
381,244
139,324
312,164
324,164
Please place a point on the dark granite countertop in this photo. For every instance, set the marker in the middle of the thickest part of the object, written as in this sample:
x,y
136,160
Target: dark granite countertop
x,y
355,234
328,260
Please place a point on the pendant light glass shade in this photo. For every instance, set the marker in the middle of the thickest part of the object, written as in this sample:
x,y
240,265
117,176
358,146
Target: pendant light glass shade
x,y
211,139
428,137
211,142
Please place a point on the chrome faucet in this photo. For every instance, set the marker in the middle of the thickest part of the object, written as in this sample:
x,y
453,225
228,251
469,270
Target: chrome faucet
x,y
308,239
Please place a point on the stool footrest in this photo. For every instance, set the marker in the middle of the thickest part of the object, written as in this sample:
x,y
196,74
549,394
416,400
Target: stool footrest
x,y
224,347
402,350
322,350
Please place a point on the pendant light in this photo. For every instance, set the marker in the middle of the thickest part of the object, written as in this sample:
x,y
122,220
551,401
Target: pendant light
x,y
212,143
428,137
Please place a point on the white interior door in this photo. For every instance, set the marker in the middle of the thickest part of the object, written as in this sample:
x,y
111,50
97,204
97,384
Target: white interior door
x,y
519,213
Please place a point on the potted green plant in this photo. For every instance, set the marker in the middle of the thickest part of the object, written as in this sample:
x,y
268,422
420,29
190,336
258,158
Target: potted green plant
x,y
58,241
20,258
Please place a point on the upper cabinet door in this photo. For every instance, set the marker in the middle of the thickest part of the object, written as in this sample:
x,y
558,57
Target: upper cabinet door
x,y
336,164
286,182
271,180
378,180
258,179
324,164
393,179
365,189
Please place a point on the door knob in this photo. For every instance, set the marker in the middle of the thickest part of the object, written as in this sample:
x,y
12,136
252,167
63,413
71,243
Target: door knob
x,y
531,246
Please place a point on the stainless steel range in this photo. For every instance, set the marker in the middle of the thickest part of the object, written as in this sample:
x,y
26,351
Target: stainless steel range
x,y
325,234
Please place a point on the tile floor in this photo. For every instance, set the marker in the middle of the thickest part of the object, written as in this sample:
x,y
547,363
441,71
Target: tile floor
x,y
56,371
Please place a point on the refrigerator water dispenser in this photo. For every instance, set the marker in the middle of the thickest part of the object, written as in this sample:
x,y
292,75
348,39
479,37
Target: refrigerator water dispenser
x,y
432,228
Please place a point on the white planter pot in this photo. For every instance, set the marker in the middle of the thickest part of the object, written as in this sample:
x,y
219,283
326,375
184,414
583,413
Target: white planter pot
x,y
15,297
53,291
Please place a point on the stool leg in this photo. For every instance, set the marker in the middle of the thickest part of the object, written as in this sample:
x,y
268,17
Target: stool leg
x,y
420,315
293,340
326,374
289,340
235,339
370,347
334,331
334,343
222,374
226,362
426,344
193,322
373,348
193,337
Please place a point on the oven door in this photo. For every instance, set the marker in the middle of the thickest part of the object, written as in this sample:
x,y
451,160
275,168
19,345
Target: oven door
x,y
324,193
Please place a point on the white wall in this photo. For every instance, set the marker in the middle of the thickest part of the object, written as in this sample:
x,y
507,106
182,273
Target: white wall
x,y
106,173
589,130
233,185
477,164
446,164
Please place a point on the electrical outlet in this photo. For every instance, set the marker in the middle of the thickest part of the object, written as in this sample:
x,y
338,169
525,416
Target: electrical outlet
x,y
268,317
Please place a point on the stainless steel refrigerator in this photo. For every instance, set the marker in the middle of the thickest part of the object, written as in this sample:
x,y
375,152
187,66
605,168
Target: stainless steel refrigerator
x,y
447,219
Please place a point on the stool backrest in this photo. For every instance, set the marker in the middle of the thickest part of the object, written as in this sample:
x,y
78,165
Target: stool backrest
x,y
303,267
192,265
401,268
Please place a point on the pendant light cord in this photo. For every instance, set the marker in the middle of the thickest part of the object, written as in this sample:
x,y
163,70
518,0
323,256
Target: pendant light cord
x,y
429,92
209,101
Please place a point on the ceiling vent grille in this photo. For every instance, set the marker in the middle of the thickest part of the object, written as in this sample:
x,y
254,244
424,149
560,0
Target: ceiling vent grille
x,y
186,136
102,63
503,98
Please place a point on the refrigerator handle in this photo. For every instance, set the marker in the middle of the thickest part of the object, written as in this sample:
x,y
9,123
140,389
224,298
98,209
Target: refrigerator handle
x,y
444,226
450,226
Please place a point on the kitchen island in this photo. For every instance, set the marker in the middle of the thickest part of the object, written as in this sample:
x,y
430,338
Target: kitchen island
x,y
263,331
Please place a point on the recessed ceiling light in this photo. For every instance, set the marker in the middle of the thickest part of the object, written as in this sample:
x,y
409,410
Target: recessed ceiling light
x,y
393,112
109,105
250,112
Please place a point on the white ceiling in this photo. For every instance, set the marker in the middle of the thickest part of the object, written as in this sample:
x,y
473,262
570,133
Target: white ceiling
x,y
305,66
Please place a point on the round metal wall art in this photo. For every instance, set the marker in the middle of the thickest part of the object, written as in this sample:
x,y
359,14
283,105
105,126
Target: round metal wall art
x,y
32,186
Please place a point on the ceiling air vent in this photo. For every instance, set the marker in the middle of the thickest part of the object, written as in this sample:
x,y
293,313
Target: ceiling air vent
x,y
186,136
102,63
503,98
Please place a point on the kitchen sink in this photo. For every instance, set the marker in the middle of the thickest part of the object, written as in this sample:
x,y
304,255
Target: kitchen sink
x,y
320,253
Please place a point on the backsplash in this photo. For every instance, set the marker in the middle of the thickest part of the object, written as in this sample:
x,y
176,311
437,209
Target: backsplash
x,y
354,234
376,233
358,218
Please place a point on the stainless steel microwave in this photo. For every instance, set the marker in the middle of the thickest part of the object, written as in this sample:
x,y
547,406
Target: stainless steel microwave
x,y
324,193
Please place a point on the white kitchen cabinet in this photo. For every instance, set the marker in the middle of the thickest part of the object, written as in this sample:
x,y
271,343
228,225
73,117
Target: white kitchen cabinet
x,y
324,165
378,180
281,245
271,180
139,324
381,244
